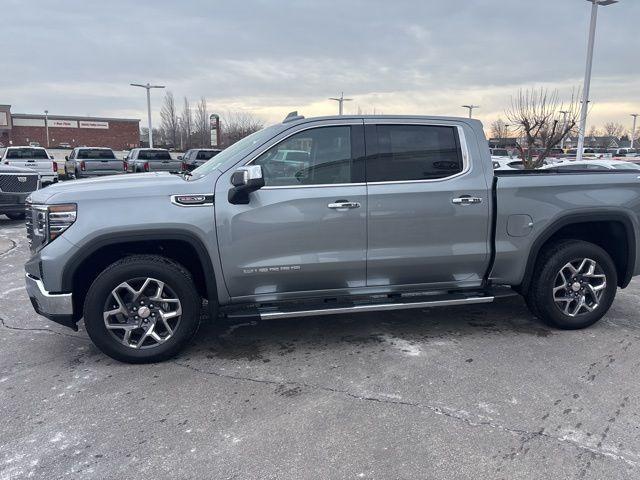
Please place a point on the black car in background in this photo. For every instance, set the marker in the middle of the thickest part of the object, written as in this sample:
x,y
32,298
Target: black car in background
x,y
195,157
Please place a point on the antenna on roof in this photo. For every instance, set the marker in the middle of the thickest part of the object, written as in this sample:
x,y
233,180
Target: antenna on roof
x,y
292,116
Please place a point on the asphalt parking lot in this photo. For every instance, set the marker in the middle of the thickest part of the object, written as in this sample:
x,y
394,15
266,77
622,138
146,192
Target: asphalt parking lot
x,y
467,392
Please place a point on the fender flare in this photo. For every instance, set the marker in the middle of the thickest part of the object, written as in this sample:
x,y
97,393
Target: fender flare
x,y
109,239
575,218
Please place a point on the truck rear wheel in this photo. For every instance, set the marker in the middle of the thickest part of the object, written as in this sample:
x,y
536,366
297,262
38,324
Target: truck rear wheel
x,y
142,309
573,286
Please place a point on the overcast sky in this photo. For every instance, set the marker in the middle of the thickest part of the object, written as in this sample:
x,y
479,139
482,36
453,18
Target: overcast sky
x,y
77,57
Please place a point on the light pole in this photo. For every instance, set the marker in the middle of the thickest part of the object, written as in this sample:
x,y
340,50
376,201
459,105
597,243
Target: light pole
x,y
46,125
148,87
564,124
340,101
633,129
587,74
470,107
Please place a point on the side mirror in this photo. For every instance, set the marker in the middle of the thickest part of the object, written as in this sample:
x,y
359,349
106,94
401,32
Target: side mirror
x,y
245,180
66,157
51,157
179,157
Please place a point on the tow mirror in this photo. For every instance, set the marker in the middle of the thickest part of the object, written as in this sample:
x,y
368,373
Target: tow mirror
x,y
245,180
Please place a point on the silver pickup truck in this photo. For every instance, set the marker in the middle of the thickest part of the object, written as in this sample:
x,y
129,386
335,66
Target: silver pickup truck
x,y
381,213
152,160
93,162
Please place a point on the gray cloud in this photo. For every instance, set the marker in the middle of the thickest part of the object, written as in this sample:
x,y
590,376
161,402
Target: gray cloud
x,y
78,57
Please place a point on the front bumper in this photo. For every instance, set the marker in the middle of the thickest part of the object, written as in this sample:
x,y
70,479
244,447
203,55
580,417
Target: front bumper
x,y
57,307
12,202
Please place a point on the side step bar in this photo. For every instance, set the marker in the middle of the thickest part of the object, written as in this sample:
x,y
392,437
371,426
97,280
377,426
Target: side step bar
x,y
379,307
270,312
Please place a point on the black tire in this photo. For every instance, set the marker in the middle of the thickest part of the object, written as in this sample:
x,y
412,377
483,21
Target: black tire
x,y
16,216
174,275
546,277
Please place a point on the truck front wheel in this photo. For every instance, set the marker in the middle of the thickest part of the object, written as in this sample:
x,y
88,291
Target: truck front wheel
x,y
573,286
142,309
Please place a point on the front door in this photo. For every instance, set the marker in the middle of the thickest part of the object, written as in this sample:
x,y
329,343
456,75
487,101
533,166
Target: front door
x,y
428,207
305,230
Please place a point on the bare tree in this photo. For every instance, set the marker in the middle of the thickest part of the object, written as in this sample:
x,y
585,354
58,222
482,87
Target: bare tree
x,y
237,125
169,117
498,129
186,125
535,113
614,129
593,131
202,124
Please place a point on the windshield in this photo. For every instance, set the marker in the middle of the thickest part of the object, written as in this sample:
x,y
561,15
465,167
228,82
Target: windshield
x,y
16,153
97,153
240,148
154,155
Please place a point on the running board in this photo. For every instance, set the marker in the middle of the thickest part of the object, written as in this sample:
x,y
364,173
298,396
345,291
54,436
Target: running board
x,y
380,307
271,313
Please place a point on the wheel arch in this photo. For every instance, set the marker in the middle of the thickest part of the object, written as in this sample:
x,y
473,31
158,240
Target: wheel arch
x,y
591,227
184,247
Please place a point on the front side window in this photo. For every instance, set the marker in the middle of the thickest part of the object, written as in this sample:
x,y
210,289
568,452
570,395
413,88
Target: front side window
x,y
317,156
415,152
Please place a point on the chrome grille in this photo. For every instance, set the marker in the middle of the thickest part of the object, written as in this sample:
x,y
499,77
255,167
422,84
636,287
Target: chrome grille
x,y
18,183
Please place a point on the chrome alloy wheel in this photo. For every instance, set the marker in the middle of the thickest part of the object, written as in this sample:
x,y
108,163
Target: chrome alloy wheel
x,y
142,313
579,286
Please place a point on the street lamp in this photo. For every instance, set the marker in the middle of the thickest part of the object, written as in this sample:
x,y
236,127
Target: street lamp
x,y
564,124
340,101
587,74
148,87
633,129
46,125
470,107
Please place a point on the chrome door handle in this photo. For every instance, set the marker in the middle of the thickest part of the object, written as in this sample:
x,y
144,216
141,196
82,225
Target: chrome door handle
x,y
343,204
466,200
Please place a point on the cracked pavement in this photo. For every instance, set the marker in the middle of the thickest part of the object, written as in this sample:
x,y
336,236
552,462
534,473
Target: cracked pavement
x,y
471,392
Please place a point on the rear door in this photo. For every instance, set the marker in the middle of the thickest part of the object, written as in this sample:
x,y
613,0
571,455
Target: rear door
x,y
305,231
428,211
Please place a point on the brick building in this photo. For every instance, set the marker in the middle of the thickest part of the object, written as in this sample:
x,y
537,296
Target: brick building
x,y
22,129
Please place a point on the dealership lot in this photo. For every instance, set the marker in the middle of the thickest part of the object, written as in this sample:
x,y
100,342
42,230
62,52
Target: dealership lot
x,y
468,392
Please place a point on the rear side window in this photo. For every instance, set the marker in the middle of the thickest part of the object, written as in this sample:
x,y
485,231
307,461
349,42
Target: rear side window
x,y
154,155
415,152
17,153
96,153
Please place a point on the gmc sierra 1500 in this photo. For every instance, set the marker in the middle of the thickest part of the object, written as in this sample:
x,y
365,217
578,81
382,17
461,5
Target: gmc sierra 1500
x,y
373,213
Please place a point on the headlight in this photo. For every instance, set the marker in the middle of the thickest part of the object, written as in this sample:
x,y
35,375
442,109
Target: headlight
x,y
49,221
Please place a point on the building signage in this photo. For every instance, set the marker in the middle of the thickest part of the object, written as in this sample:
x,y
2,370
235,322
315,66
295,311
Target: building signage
x,y
63,123
28,122
214,124
93,124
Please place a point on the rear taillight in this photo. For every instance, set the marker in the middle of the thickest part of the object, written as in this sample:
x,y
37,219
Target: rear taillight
x,y
146,166
125,166
83,167
55,166
184,166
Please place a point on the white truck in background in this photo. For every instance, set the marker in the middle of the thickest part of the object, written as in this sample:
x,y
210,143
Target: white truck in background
x,y
33,158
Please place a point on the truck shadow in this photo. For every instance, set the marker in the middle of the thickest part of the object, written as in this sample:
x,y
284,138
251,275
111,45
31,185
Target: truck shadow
x,y
261,341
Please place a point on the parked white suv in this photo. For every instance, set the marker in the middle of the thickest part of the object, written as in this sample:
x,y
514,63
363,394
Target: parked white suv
x,y
34,158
